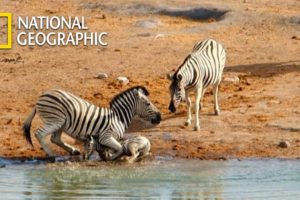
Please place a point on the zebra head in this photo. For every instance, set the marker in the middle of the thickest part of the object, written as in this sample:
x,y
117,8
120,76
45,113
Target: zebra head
x,y
145,108
176,90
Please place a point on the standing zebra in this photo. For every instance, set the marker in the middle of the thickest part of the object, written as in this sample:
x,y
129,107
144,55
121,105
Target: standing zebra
x,y
200,69
62,111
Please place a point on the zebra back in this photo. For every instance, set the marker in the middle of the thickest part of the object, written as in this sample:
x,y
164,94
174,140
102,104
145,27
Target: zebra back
x,y
74,115
204,65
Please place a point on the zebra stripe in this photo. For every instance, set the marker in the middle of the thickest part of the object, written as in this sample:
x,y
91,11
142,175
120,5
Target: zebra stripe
x,y
205,64
200,69
63,111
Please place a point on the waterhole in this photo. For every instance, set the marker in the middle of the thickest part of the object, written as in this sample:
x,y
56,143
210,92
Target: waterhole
x,y
158,179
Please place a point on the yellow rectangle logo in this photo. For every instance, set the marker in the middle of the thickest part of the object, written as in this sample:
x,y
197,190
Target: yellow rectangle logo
x,y
9,30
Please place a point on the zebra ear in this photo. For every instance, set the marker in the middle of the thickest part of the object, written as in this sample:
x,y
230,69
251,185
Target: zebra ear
x,y
144,90
140,89
179,77
138,93
170,76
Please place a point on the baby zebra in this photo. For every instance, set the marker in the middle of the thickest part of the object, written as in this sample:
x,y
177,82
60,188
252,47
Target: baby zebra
x,y
63,111
200,69
134,149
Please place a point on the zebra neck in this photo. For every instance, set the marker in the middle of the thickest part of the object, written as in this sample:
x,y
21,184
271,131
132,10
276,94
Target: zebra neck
x,y
189,72
187,77
124,112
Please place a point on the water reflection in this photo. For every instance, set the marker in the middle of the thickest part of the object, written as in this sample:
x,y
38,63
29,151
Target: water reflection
x,y
155,180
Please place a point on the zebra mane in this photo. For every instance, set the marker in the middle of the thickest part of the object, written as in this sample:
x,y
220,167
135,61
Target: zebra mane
x,y
141,88
179,68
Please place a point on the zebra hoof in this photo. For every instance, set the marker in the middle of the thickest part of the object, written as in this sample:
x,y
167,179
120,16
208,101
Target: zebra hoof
x,y
85,157
51,159
129,159
217,112
75,152
196,128
187,123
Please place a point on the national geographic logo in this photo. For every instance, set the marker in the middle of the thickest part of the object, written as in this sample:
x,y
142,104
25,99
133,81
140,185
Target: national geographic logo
x,y
5,30
49,30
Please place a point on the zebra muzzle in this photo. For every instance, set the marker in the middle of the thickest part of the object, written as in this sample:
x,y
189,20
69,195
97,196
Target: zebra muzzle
x,y
172,107
157,119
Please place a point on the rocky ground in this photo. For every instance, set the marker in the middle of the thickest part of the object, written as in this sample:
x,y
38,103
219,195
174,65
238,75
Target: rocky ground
x,y
259,95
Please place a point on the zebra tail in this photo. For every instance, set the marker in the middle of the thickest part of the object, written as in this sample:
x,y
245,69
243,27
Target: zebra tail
x,y
27,125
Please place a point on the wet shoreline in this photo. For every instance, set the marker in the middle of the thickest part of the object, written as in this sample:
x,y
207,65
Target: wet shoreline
x,y
68,160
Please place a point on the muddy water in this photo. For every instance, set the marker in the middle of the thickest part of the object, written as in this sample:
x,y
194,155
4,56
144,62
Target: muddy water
x,y
159,179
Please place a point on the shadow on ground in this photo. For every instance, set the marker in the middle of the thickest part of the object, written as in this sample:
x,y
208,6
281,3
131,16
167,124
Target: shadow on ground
x,y
196,13
266,69
191,13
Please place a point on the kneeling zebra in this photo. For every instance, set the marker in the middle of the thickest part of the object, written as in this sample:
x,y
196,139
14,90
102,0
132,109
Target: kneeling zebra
x,y
64,112
200,69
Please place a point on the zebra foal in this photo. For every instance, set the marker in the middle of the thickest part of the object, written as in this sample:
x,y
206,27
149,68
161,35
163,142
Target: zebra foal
x,y
200,69
134,148
64,112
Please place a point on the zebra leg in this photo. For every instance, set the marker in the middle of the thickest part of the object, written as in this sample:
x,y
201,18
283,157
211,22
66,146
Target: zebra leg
x,y
89,148
40,135
140,157
189,109
56,139
144,153
197,104
112,143
216,104
134,153
201,102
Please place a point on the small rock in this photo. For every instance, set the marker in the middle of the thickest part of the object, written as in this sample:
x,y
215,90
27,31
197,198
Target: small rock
x,y
149,23
175,147
274,102
122,79
160,35
284,144
2,166
101,76
84,68
68,162
98,95
143,34
211,20
167,136
231,80
221,158
103,16
295,38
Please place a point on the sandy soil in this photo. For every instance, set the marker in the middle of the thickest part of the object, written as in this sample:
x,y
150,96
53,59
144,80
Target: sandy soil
x,y
262,39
